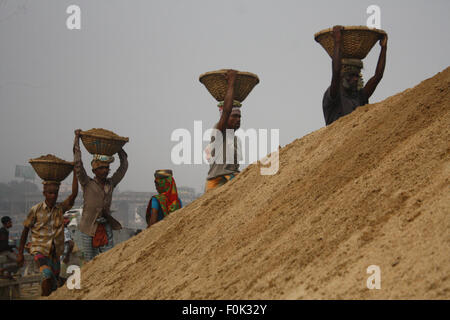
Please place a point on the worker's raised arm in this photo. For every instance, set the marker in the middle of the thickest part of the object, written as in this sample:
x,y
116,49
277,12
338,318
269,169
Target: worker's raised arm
x,y
68,203
373,82
120,172
78,164
228,101
336,62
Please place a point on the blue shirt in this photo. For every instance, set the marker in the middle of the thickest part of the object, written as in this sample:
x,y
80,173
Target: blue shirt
x,y
157,206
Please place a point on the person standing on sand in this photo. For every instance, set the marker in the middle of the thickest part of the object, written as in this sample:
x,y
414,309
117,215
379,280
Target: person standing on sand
x,y
97,224
347,90
166,201
45,220
224,140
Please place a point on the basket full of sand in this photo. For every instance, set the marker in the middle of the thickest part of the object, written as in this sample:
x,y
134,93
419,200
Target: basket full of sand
x,y
51,168
357,41
216,83
101,141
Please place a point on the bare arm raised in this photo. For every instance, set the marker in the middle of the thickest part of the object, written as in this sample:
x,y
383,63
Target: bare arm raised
x,y
336,62
228,102
120,172
373,82
78,167
68,203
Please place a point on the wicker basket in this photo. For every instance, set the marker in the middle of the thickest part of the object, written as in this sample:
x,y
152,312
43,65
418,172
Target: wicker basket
x,y
51,169
96,143
217,85
357,41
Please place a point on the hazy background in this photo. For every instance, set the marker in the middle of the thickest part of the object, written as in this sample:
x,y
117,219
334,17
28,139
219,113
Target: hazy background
x,y
133,68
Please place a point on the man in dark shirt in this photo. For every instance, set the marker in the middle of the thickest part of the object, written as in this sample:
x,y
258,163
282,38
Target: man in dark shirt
x,y
6,250
347,92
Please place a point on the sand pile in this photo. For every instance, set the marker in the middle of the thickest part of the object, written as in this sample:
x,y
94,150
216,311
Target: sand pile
x,y
103,133
371,189
51,158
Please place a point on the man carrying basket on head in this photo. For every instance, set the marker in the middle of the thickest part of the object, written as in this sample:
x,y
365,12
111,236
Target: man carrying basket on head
x,y
347,90
225,167
45,221
96,221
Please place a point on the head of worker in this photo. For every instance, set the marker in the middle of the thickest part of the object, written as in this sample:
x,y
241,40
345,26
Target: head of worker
x,y
7,222
50,192
100,166
234,120
351,78
163,180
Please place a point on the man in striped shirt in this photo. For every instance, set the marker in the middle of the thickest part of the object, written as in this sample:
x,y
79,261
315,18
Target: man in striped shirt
x,y
46,223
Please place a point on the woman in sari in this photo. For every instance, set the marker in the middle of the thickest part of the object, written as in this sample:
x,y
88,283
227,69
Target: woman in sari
x,y
166,201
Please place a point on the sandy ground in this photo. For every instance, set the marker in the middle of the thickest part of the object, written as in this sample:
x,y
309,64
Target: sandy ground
x,y
370,189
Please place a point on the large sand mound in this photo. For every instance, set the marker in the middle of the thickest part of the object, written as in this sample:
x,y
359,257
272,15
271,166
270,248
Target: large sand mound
x,y
371,189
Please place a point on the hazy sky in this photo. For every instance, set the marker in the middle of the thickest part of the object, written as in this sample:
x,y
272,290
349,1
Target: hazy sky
x,y
133,68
